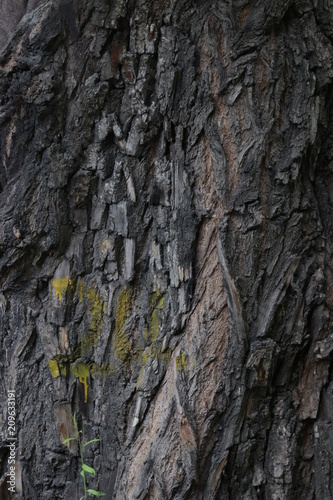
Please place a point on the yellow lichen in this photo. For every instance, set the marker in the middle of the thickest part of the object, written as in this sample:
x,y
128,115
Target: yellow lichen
x,y
81,372
61,365
154,326
102,370
157,300
53,365
153,352
121,345
181,361
60,286
156,305
58,366
96,307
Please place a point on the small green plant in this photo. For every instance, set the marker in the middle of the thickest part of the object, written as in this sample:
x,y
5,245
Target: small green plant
x,y
85,468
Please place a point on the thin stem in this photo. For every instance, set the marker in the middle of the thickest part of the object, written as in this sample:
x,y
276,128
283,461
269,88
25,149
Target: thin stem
x,y
84,476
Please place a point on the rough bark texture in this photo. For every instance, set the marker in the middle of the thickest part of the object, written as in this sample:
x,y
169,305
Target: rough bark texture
x,y
166,247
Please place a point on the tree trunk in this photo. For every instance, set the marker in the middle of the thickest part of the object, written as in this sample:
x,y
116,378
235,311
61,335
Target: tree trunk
x,y
166,248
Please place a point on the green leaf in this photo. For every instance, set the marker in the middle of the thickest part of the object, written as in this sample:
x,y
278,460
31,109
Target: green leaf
x,y
96,493
88,469
82,473
68,439
74,420
82,498
96,440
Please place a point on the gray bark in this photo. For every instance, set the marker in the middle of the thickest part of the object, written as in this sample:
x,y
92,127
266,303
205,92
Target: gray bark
x,y
166,247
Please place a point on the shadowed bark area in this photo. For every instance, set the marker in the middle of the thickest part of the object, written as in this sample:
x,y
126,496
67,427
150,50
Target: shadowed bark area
x,y
166,176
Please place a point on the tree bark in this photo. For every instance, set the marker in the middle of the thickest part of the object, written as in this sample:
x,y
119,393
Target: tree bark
x,y
166,248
